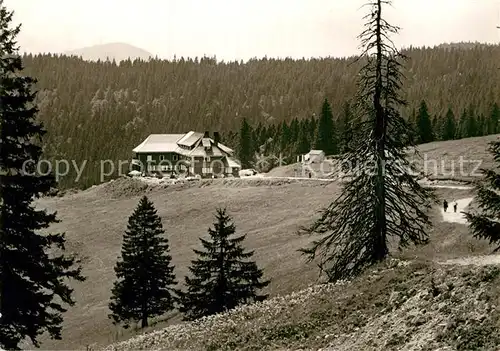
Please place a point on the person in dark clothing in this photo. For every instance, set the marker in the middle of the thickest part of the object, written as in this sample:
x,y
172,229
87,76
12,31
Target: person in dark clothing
x,y
445,205
455,206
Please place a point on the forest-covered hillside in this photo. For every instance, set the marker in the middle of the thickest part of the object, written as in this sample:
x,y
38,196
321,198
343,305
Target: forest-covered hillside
x,y
100,110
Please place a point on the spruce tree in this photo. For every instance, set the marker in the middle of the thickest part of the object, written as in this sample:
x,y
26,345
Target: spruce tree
x,y
485,223
424,124
383,199
256,137
223,276
449,128
435,128
294,130
494,118
263,136
33,265
482,128
472,125
245,149
144,272
413,135
462,131
346,132
313,127
303,144
325,133
285,137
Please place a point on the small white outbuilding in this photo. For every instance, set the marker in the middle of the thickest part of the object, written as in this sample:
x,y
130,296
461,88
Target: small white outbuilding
x,y
315,156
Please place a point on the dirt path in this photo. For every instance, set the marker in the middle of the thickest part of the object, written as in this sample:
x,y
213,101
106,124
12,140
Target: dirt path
x,y
424,183
456,217
485,260
448,216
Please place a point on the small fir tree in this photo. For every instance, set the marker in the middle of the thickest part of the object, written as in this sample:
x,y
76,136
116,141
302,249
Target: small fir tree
x,y
493,126
245,147
482,127
145,273
413,136
285,137
222,276
313,126
325,134
437,128
449,128
424,124
294,130
462,131
472,125
485,223
255,138
346,130
303,144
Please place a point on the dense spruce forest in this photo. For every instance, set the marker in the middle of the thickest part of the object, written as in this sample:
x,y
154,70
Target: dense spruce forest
x,y
101,110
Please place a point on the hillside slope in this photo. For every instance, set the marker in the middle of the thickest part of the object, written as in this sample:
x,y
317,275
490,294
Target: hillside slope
x,y
446,160
397,306
269,211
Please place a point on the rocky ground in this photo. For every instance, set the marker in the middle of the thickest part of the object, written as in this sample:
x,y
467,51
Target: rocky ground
x,y
400,305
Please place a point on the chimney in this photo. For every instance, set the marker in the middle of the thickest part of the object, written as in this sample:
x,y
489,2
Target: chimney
x,y
216,138
206,134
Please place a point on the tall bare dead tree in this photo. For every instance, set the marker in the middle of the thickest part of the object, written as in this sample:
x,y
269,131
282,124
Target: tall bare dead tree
x,y
382,199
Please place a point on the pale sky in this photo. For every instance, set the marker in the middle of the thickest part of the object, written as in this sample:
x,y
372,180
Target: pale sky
x,y
241,29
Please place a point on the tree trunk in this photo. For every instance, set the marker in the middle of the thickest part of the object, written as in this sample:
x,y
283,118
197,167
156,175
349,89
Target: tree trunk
x,y
144,321
380,242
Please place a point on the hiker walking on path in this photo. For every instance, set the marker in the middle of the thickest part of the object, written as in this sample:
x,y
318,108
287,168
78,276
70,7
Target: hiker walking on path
x,y
445,205
455,206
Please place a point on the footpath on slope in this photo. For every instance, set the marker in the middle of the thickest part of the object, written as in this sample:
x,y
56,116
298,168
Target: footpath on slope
x,y
449,216
425,183
458,217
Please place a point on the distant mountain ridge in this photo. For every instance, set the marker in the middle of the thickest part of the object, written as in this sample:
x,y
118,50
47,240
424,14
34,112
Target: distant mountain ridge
x,y
121,51
111,51
462,45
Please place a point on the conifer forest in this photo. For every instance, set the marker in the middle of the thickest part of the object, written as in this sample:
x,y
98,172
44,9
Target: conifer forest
x,y
102,110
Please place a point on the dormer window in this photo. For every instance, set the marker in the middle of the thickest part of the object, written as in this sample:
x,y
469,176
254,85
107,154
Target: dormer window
x,y
206,143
